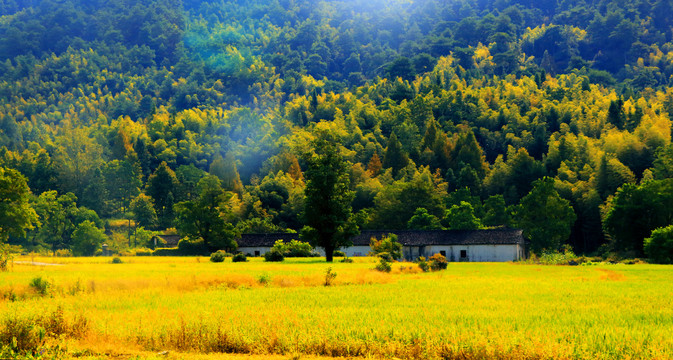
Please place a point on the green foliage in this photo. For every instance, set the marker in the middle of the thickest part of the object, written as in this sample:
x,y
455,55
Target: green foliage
x,y
16,214
116,260
294,248
327,213
87,238
218,256
206,217
189,246
139,101
423,264
422,220
275,255
635,211
659,246
240,257
495,211
40,285
546,218
461,217
438,262
564,257
388,245
143,211
383,265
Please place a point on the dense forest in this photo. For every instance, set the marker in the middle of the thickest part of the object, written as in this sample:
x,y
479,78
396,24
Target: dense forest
x,y
450,114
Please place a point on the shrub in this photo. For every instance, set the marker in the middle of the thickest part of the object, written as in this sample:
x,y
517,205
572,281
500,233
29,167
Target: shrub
x,y
167,252
388,244
63,253
329,277
240,257
339,253
438,262
264,279
190,247
142,252
423,264
294,248
659,246
40,286
22,335
218,256
346,260
116,260
274,255
383,265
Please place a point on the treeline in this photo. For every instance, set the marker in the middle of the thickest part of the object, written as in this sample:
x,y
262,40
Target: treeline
x,y
447,112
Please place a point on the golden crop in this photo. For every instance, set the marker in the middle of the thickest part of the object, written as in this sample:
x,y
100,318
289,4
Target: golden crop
x,y
190,306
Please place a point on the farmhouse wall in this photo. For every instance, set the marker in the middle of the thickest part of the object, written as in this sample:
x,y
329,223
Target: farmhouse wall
x,y
477,253
492,245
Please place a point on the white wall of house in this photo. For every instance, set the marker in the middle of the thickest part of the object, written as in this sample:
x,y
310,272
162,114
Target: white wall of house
x,y
477,253
474,253
252,249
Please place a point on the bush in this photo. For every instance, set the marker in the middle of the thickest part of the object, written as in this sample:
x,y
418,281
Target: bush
x,y
143,252
63,253
388,244
274,255
338,253
240,257
264,279
191,247
218,256
40,286
659,246
438,262
423,264
294,248
116,260
167,252
329,277
383,265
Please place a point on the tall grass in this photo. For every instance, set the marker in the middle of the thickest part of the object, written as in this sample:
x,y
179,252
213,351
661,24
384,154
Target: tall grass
x,y
467,311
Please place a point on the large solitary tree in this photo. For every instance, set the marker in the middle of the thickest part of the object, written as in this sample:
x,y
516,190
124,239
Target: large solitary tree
x,y
328,215
545,217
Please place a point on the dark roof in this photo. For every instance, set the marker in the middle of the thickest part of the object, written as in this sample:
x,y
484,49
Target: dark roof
x,y
264,240
407,237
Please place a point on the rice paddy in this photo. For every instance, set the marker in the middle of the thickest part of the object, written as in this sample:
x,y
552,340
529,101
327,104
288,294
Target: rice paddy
x,y
189,307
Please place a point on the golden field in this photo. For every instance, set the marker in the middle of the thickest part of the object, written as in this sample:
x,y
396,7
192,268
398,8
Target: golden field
x,y
154,307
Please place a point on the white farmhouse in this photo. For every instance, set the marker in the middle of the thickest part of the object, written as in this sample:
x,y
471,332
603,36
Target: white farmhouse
x,y
493,245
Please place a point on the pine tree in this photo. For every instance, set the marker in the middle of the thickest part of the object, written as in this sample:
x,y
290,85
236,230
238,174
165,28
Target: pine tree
x,y
395,157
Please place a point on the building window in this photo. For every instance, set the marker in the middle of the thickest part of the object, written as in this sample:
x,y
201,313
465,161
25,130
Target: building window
x,y
463,254
443,253
256,252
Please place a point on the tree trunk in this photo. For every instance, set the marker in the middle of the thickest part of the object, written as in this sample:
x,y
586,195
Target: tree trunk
x,y
329,254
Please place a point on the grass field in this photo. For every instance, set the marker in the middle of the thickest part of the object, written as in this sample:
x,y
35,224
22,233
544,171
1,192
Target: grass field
x,y
191,307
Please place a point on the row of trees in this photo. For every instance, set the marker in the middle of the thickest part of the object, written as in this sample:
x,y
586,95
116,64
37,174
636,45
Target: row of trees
x,y
442,116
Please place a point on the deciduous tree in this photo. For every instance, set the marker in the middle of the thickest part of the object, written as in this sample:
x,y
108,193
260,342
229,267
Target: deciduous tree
x,y
328,216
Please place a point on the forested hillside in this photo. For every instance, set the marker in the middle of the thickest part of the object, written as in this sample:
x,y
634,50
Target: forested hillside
x,y
447,112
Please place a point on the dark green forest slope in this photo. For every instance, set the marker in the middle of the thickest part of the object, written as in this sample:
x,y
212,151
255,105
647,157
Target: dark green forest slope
x,y
445,110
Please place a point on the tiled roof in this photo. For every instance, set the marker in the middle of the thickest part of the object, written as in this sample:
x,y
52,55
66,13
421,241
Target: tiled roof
x,y
407,237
